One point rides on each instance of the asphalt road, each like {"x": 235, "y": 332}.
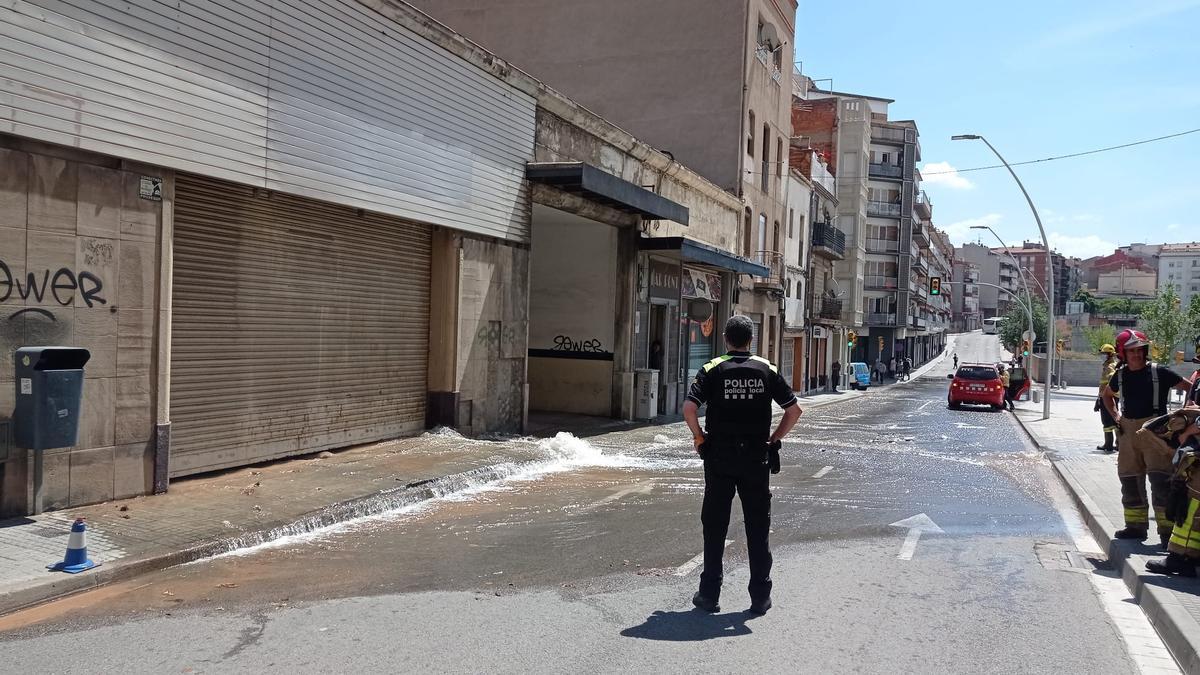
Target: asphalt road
{"x": 590, "y": 568}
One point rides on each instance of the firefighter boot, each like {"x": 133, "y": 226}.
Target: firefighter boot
{"x": 760, "y": 606}
{"x": 707, "y": 604}
{"x": 1174, "y": 563}
{"x": 1130, "y": 532}
{"x": 1108, "y": 442}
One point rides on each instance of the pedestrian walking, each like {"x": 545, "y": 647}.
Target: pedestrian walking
{"x": 1006, "y": 382}
{"x": 956, "y": 361}
{"x": 1143, "y": 388}
{"x": 1107, "y": 370}
{"x": 835, "y": 372}
{"x": 740, "y": 453}
{"x": 908, "y": 364}
{"x": 880, "y": 369}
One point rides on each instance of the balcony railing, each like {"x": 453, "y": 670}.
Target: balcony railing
{"x": 830, "y": 309}
{"x": 887, "y": 134}
{"x": 821, "y": 176}
{"x": 880, "y": 281}
{"x": 882, "y": 245}
{"x": 828, "y": 241}
{"x": 773, "y": 260}
{"x": 885, "y": 170}
{"x": 918, "y": 263}
{"x": 919, "y": 323}
{"x": 881, "y": 319}
{"x": 885, "y": 209}
{"x": 919, "y": 234}
{"x": 922, "y": 205}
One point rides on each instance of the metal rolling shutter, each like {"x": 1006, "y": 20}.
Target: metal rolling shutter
{"x": 297, "y": 326}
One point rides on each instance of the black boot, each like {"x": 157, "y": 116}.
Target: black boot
{"x": 760, "y": 606}
{"x": 1108, "y": 442}
{"x": 1174, "y": 563}
{"x": 1138, "y": 533}
{"x": 709, "y": 605}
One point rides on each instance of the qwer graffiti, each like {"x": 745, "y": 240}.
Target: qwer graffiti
{"x": 62, "y": 286}
{"x": 563, "y": 343}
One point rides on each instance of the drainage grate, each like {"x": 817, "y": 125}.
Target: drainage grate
{"x": 49, "y": 532}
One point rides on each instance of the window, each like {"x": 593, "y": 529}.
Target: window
{"x": 750, "y": 136}
{"x": 762, "y": 231}
{"x": 766, "y": 158}
{"x": 748, "y": 235}
{"x": 775, "y": 239}
{"x": 791, "y": 223}
{"x": 780, "y": 159}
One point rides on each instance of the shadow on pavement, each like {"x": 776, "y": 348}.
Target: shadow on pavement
{"x": 690, "y": 625}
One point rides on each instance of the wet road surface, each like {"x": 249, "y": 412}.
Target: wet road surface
{"x": 589, "y": 565}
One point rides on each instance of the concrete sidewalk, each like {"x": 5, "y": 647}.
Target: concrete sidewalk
{"x": 1070, "y": 438}
{"x": 207, "y": 515}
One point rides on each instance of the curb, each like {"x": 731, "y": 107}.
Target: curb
{"x": 332, "y": 514}
{"x": 1178, "y": 629}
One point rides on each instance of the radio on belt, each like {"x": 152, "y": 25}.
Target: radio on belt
{"x": 49, "y": 384}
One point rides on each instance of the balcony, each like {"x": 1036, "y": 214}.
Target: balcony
{"x": 881, "y": 319}
{"x": 919, "y": 264}
{"x": 828, "y": 241}
{"x": 880, "y": 282}
{"x": 920, "y": 234}
{"x": 884, "y": 209}
{"x": 922, "y": 205}
{"x": 885, "y": 171}
{"x": 919, "y": 323}
{"x": 830, "y": 309}
{"x": 883, "y": 246}
{"x": 822, "y": 177}
{"x": 888, "y": 134}
{"x": 773, "y": 260}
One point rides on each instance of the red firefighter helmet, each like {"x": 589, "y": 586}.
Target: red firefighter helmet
{"x": 1130, "y": 339}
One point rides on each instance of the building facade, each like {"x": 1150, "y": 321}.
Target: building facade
{"x": 1033, "y": 260}
{"x": 1179, "y": 265}
{"x": 717, "y": 97}
{"x": 363, "y": 274}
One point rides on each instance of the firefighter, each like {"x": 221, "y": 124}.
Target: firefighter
{"x": 1144, "y": 389}
{"x": 1107, "y": 369}
{"x": 740, "y": 452}
{"x": 1174, "y": 440}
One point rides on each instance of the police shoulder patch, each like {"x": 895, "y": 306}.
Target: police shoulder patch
{"x": 762, "y": 360}
{"x": 716, "y": 362}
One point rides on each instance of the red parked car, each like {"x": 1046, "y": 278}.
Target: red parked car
{"x": 976, "y": 383}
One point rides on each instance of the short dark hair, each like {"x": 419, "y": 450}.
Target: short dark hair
{"x": 739, "y": 331}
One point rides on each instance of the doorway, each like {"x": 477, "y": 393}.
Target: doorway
{"x": 659, "y": 343}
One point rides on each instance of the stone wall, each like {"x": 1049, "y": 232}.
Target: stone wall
{"x": 80, "y": 263}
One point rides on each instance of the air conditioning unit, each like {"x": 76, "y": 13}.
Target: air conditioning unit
{"x": 819, "y": 332}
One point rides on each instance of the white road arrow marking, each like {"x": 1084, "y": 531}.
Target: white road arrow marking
{"x": 640, "y": 488}
{"x": 822, "y": 472}
{"x": 915, "y": 525}
{"x": 687, "y": 567}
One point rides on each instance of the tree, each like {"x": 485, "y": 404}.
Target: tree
{"x": 1098, "y": 336}
{"x": 1016, "y": 323}
{"x": 1089, "y": 301}
{"x": 1122, "y": 306}
{"x": 1165, "y": 323}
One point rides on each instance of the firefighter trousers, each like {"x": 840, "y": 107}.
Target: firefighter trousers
{"x": 1136, "y": 465}
{"x": 729, "y": 470}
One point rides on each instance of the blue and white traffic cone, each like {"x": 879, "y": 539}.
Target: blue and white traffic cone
{"x": 77, "y": 559}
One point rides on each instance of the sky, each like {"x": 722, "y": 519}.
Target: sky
{"x": 1038, "y": 79}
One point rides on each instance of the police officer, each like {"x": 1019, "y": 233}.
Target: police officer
{"x": 739, "y": 452}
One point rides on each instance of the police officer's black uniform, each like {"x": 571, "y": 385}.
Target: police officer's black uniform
{"x": 738, "y": 389}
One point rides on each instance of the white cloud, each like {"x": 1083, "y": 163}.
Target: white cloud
{"x": 941, "y": 173}
{"x": 961, "y": 232}
{"x": 1080, "y": 247}
{"x": 1173, "y": 226}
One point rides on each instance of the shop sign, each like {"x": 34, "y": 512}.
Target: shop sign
{"x": 700, "y": 284}
{"x": 664, "y": 280}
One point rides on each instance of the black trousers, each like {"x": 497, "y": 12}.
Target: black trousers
{"x": 729, "y": 468}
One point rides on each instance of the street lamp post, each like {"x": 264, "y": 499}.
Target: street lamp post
{"x": 1050, "y": 339}
{"x": 1020, "y": 272}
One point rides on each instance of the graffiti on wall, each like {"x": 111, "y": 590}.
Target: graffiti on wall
{"x": 61, "y": 286}
{"x": 564, "y": 343}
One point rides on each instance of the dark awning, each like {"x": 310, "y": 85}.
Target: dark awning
{"x": 602, "y": 187}
{"x": 703, "y": 253}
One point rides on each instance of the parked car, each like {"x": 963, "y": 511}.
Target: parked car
{"x": 860, "y": 376}
{"x": 977, "y": 384}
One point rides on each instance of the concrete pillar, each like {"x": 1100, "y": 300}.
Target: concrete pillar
{"x": 444, "y": 283}
{"x": 624, "y": 308}
{"x": 166, "y": 267}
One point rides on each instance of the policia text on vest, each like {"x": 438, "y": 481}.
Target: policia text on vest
{"x": 740, "y": 451}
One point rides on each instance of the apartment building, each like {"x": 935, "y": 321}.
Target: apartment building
{"x": 1032, "y": 258}
{"x": 998, "y": 271}
{"x": 1179, "y": 264}
{"x": 707, "y": 81}
{"x": 967, "y": 315}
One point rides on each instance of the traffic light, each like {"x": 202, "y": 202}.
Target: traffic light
{"x": 935, "y": 285}
{"x": 1058, "y": 346}
{"x": 1025, "y": 348}
{"x": 881, "y": 344}
{"x": 851, "y": 338}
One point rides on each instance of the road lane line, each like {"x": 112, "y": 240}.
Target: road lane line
{"x": 641, "y": 488}
{"x": 687, "y": 567}
{"x": 822, "y": 472}
{"x": 924, "y": 405}
{"x": 910, "y": 545}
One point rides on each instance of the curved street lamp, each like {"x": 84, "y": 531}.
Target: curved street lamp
{"x": 1050, "y": 339}
{"x": 1020, "y": 272}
